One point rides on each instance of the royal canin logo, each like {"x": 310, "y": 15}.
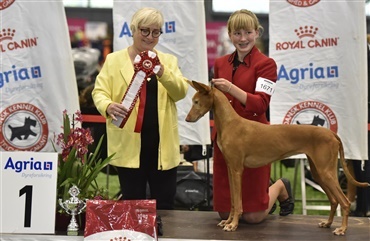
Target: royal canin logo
{"x": 7, "y": 42}
{"x": 303, "y": 3}
{"x": 5, "y": 4}
{"x": 307, "y": 39}
{"x": 7, "y": 34}
{"x": 306, "y": 31}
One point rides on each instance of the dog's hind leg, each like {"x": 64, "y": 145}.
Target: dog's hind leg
{"x": 331, "y": 198}
{"x": 335, "y": 195}
{"x": 345, "y": 205}
{"x": 333, "y": 205}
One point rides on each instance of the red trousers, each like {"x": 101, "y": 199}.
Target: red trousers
{"x": 255, "y": 184}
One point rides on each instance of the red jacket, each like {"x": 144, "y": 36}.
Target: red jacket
{"x": 255, "y": 65}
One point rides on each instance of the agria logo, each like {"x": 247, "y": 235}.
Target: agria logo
{"x": 169, "y": 27}
{"x": 28, "y": 165}
{"x": 307, "y": 40}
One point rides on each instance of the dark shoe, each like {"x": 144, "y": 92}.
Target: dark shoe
{"x": 287, "y": 206}
{"x": 273, "y": 208}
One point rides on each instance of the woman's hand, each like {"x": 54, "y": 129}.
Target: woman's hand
{"x": 115, "y": 110}
{"x": 160, "y": 72}
{"x": 222, "y": 84}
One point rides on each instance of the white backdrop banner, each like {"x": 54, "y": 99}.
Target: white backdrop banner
{"x": 37, "y": 78}
{"x": 320, "y": 49}
{"x": 184, "y": 35}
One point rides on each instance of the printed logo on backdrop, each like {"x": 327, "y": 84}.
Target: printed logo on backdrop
{"x": 24, "y": 127}
{"x": 5, "y": 4}
{"x": 27, "y": 76}
{"x": 15, "y": 74}
{"x": 303, "y": 3}
{"x": 306, "y": 39}
{"x": 169, "y": 27}
{"x": 312, "y": 113}
{"x": 7, "y": 42}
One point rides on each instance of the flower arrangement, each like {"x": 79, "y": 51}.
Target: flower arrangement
{"x": 76, "y": 164}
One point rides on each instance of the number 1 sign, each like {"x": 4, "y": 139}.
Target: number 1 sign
{"x": 28, "y": 192}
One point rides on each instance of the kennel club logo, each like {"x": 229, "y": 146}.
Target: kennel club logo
{"x": 303, "y": 3}
{"x": 5, "y": 4}
{"x": 306, "y": 40}
{"x": 24, "y": 127}
{"x": 312, "y": 113}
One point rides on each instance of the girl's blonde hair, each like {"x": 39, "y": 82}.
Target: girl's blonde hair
{"x": 146, "y": 16}
{"x": 243, "y": 19}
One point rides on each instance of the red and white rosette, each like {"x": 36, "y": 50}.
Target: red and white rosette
{"x": 145, "y": 64}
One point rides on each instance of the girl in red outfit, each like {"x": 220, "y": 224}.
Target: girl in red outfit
{"x": 242, "y": 76}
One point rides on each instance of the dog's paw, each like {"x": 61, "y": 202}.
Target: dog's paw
{"x": 230, "y": 227}
{"x": 222, "y": 223}
{"x": 340, "y": 231}
{"x": 324, "y": 225}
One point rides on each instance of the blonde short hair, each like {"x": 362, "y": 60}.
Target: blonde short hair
{"x": 146, "y": 16}
{"x": 243, "y": 19}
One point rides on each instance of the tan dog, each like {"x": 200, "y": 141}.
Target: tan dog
{"x": 252, "y": 144}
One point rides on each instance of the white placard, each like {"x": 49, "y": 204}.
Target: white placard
{"x": 28, "y": 192}
{"x": 265, "y": 86}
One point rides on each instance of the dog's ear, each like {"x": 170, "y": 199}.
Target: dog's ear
{"x": 202, "y": 88}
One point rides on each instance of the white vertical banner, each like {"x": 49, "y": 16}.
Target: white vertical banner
{"x": 184, "y": 35}
{"x": 37, "y": 77}
{"x": 320, "y": 49}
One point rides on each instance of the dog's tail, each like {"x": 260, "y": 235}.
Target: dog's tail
{"x": 347, "y": 172}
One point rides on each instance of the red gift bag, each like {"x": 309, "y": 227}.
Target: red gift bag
{"x": 121, "y": 220}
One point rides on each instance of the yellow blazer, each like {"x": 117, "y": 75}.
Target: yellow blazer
{"x": 110, "y": 86}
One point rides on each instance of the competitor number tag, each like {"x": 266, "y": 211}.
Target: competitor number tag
{"x": 265, "y": 86}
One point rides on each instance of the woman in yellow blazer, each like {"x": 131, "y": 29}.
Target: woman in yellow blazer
{"x": 151, "y": 156}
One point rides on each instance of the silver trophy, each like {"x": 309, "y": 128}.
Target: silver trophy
{"x": 73, "y": 206}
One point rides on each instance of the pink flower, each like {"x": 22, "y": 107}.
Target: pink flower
{"x": 74, "y": 137}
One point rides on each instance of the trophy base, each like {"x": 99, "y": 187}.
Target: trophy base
{"x": 72, "y": 232}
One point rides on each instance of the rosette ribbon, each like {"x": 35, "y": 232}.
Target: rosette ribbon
{"x": 145, "y": 64}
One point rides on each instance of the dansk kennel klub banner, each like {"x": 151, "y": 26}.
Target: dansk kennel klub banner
{"x": 320, "y": 49}
{"x": 184, "y": 35}
{"x": 37, "y": 82}
{"x": 37, "y": 78}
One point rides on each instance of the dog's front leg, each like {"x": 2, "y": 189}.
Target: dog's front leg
{"x": 231, "y": 214}
{"x": 235, "y": 181}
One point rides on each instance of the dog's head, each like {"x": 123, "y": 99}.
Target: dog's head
{"x": 202, "y": 101}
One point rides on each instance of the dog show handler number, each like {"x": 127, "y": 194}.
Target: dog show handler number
{"x": 28, "y": 192}
{"x": 265, "y": 85}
